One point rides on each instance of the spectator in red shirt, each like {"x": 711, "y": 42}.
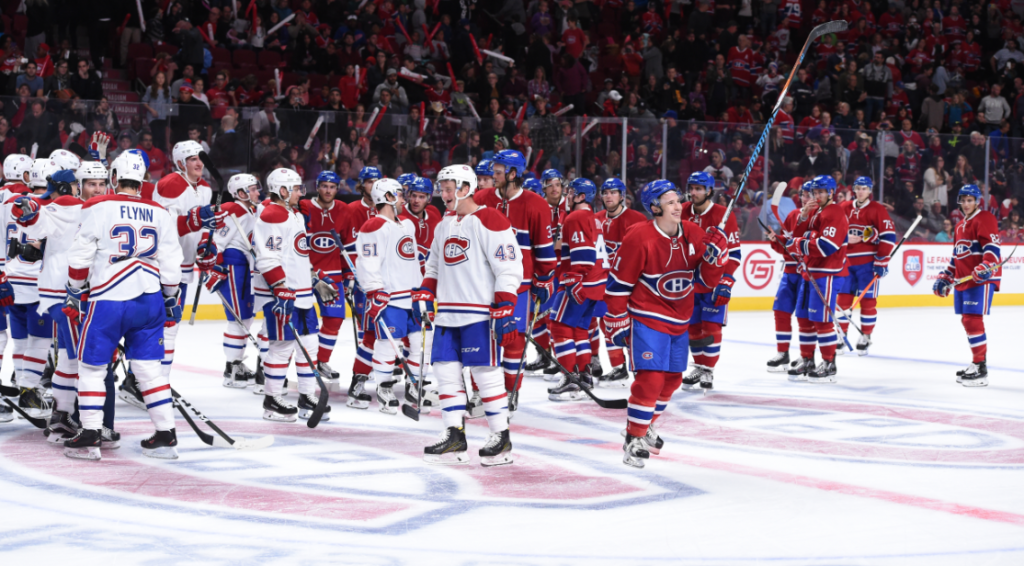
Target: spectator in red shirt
{"x": 573, "y": 39}
{"x": 157, "y": 158}
{"x": 220, "y": 97}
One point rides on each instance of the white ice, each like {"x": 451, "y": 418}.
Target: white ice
{"x": 894, "y": 464}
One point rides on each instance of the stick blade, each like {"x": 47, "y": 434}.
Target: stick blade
{"x": 780, "y": 191}
{"x": 410, "y": 412}
{"x": 208, "y": 164}
{"x": 835, "y": 26}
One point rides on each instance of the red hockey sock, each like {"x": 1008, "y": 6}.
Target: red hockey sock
{"x": 808, "y": 337}
{"x": 844, "y": 301}
{"x": 672, "y": 382}
{"x": 511, "y": 355}
{"x": 643, "y": 398}
{"x": 565, "y": 344}
{"x": 827, "y": 340}
{"x": 329, "y": 327}
{"x": 711, "y": 351}
{"x": 974, "y": 324}
{"x": 868, "y": 315}
{"x": 594, "y": 332}
{"x": 696, "y": 335}
{"x": 583, "y": 348}
{"x": 783, "y": 330}
{"x": 616, "y": 355}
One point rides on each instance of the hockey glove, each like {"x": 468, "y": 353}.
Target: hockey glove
{"x": 376, "y": 302}
{"x": 98, "y": 147}
{"x": 716, "y": 246}
{"x": 6, "y": 291}
{"x": 172, "y": 307}
{"x": 206, "y": 253}
{"x": 983, "y": 272}
{"x": 617, "y": 329}
{"x": 27, "y": 210}
{"x": 325, "y": 287}
{"x": 881, "y": 268}
{"x": 205, "y": 218}
{"x": 573, "y": 283}
{"x": 944, "y": 284}
{"x": 216, "y": 277}
{"x": 543, "y": 287}
{"x": 73, "y": 302}
{"x": 423, "y": 304}
{"x": 503, "y": 321}
{"x": 797, "y": 247}
{"x": 284, "y": 303}
{"x": 723, "y": 291}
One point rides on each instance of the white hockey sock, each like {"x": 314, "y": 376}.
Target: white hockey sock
{"x": 65, "y": 383}
{"x": 92, "y": 393}
{"x": 452, "y": 389}
{"x": 415, "y": 347}
{"x": 34, "y": 361}
{"x": 491, "y": 383}
{"x": 263, "y": 340}
{"x": 307, "y": 381}
{"x": 234, "y": 340}
{"x": 20, "y": 345}
{"x": 3, "y": 344}
{"x": 170, "y": 334}
{"x": 156, "y": 392}
{"x": 275, "y": 366}
{"x": 383, "y": 361}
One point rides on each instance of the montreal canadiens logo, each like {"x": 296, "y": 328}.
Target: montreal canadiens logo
{"x": 962, "y": 249}
{"x": 455, "y": 250}
{"x": 322, "y": 243}
{"x": 407, "y": 248}
{"x": 302, "y": 244}
{"x": 675, "y": 285}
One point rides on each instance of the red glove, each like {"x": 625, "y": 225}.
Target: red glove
{"x": 376, "y": 302}
{"x": 716, "y": 246}
{"x": 573, "y": 283}
{"x": 797, "y": 247}
{"x": 723, "y": 291}
{"x": 983, "y": 272}
{"x": 216, "y": 276}
{"x": 206, "y": 253}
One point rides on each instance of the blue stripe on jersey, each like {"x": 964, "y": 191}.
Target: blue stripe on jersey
{"x": 545, "y": 252}
{"x": 888, "y": 237}
{"x": 523, "y": 238}
{"x": 583, "y": 256}
{"x": 826, "y": 247}
{"x": 617, "y": 287}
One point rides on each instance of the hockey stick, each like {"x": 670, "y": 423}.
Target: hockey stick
{"x": 321, "y": 401}
{"x": 406, "y": 409}
{"x": 221, "y": 441}
{"x": 967, "y": 278}
{"x": 522, "y": 359}
{"x": 849, "y": 312}
{"x": 400, "y": 358}
{"x": 348, "y": 301}
{"x": 239, "y": 320}
{"x": 818, "y": 31}
{"x": 36, "y": 422}
{"x": 603, "y": 403}
{"x": 9, "y": 391}
{"x": 208, "y": 163}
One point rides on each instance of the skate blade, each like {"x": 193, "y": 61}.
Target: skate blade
{"x": 447, "y": 459}
{"x": 798, "y": 378}
{"x": 305, "y": 414}
{"x": 981, "y": 382}
{"x": 499, "y": 460}
{"x": 633, "y": 462}
{"x": 862, "y": 352}
{"x": 617, "y": 384}
{"x": 163, "y": 453}
{"x": 278, "y": 418}
{"x": 257, "y": 389}
{"x": 687, "y": 386}
{"x": 778, "y": 369}
{"x": 389, "y": 409}
{"x": 567, "y": 397}
{"x": 110, "y": 444}
{"x": 87, "y": 453}
{"x": 552, "y": 376}
{"x": 235, "y": 384}
{"x": 826, "y": 379}
{"x": 131, "y": 400}
{"x": 358, "y": 404}
{"x": 57, "y": 439}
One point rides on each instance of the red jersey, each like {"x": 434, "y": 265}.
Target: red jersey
{"x": 583, "y": 252}
{"x": 891, "y": 23}
{"x": 219, "y": 102}
{"x": 786, "y": 124}
{"x": 712, "y": 216}
{"x": 977, "y": 240}
{"x": 425, "y": 226}
{"x": 158, "y": 164}
{"x": 826, "y": 247}
{"x": 739, "y": 62}
{"x": 872, "y": 223}
{"x": 614, "y": 228}
{"x": 323, "y": 250}
{"x": 791, "y": 225}
{"x": 654, "y": 282}
{"x": 532, "y": 226}
{"x": 955, "y": 28}
{"x": 573, "y": 40}
{"x": 359, "y": 212}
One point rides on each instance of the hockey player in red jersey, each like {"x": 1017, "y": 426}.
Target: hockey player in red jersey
{"x": 615, "y": 220}
{"x": 583, "y": 275}
{"x": 325, "y": 217}
{"x": 423, "y": 216}
{"x": 977, "y": 258}
{"x": 871, "y": 241}
{"x": 785, "y": 297}
{"x": 710, "y": 303}
{"x": 484, "y": 174}
{"x": 359, "y": 212}
{"x": 821, "y": 251}
{"x": 650, "y": 302}
{"x": 532, "y": 226}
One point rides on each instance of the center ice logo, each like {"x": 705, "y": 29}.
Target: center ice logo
{"x": 675, "y": 285}
{"x": 913, "y": 266}
{"x": 455, "y": 250}
{"x": 407, "y": 248}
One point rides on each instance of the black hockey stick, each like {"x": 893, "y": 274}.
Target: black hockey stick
{"x": 9, "y": 391}
{"x": 321, "y": 401}
{"x": 603, "y": 403}
{"x": 400, "y": 358}
{"x": 522, "y": 359}
{"x": 215, "y": 173}
{"x": 36, "y": 422}
{"x": 351, "y": 306}
{"x": 223, "y": 441}
{"x": 408, "y": 411}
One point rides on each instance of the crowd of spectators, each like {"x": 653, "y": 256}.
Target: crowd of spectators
{"x": 921, "y": 96}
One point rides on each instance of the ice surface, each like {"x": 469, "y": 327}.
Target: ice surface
{"x": 894, "y": 464}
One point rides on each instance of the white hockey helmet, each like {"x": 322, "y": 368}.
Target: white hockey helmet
{"x": 128, "y": 166}
{"x": 241, "y": 182}
{"x": 182, "y": 151}
{"x": 91, "y": 170}
{"x": 66, "y": 160}
{"x": 460, "y": 174}
{"x": 41, "y": 169}
{"x": 15, "y": 167}
{"x": 382, "y": 188}
{"x": 283, "y": 178}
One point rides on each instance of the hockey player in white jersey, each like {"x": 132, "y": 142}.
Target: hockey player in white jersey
{"x": 387, "y": 271}
{"x": 16, "y": 170}
{"x": 31, "y": 329}
{"x": 231, "y": 277}
{"x": 282, "y": 257}
{"x": 474, "y": 269}
{"x": 66, "y": 160}
{"x": 123, "y": 275}
{"x": 56, "y": 223}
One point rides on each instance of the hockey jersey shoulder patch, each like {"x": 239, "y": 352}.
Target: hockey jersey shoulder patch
{"x": 171, "y": 186}
{"x": 492, "y": 220}
{"x": 373, "y": 224}
{"x": 68, "y": 200}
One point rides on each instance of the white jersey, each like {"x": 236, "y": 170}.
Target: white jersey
{"x": 57, "y": 222}
{"x": 471, "y": 260}
{"x": 6, "y": 192}
{"x": 388, "y": 259}
{"x": 282, "y": 253}
{"x": 126, "y": 247}
{"x": 22, "y": 275}
{"x": 178, "y": 196}
{"x": 229, "y": 238}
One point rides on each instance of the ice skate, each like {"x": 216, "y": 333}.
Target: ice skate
{"x": 497, "y": 451}
{"x": 332, "y": 379}
{"x": 976, "y": 375}
{"x": 863, "y": 344}
{"x": 275, "y": 408}
{"x": 258, "y": 379}
{"x": 451, "y": 449}
{"x": 35, "y": 403}
{"x": 824, "y": 373}
{"x": 595, "y": 367}
{"x": 566, "y": 390}
{"x": 695, "y": 376}
{"x": 357, "y": 397}
{"x": 707, "y": 380}
{"x": 110, "y": 438}
{"x": 386, "y": 398}
{"x": 308, "y": 402}
{"x": 616, "y": 379}
{"x": 799, "y": 369}
{"x": 651, "y": 439}
{"x": 161, "y": 445}
{"x": 475, "y": 406}
{"x": 236, "y": 376}
{"x": 412, "y": 396}
{"x": 7, "y": 413}
{"x": 84, "y": 446}
{"x": 536, "y": 368}
{"x": 635, "y": 451}
{"x": 62, "y": 427}
{"x": 129, "y": 392}
{"x": 779, "y": 363}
